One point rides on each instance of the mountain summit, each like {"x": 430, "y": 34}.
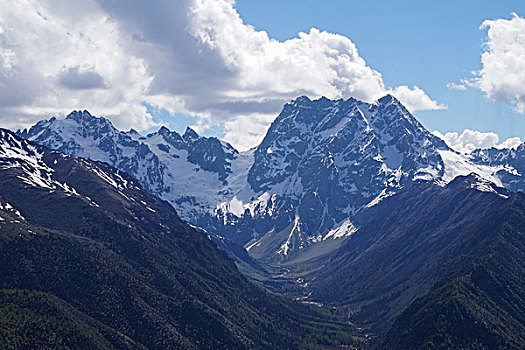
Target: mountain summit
{"x": 322, "y": 164}
{"x": 186, "y": 170}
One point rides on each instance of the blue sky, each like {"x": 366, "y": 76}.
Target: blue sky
{"x": 424, "y": 43}
{"x": 226, "y": 67}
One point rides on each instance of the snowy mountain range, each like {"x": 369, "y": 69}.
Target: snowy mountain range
{"x": 189, "y": 171}
{"x": 320, "y": 167}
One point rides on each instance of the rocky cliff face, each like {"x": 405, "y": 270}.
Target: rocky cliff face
{"x": 324, "y": 161}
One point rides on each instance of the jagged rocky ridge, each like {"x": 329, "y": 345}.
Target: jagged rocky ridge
{"x": 165, "y": 163}
{"x": 321, "y": 165}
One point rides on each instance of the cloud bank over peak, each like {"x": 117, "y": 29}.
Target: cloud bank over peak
{"x": 416, "y": 99}
{"x": 53, "y": 61}
{"x": 76, "y": 78}
{"x": 470, "y": 140}
{"x": 194, "y": 57}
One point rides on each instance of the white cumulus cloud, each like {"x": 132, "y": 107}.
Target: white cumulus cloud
{"x": 455, "y": 86}
{"x": 194, "y": 57}
{"x": 470, "y": 140}
{"x": 502, "y": 76}
{"x": 52, "y": 61}
{"x": 416, "y": 99}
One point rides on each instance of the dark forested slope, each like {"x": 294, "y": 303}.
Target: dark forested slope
{"x": 438, "y": 264}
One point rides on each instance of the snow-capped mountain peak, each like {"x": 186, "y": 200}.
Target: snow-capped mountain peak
{"x": 190, "y": 134}
{"x": 320, "y": 166}
{"x": 189, "y": 171}
{"x": 80, "y": 116}
{"x": 324, "y": 161}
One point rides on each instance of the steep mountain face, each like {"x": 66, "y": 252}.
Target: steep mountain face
{"x": 303, "y": 190}
{"x": 323, "y": 164}
{"x": 118, "y": 265}
{"x": 188, "y": 171}
{"x": 509, "y": 162}
{"x": 82, "y": 135}
{"x": 323, "y": 161}
{"x": 417, "y": 242}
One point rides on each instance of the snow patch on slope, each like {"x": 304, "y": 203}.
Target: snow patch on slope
{"x": 285, "y": 247}
{"x": 346, "y": 229}
{"x": 8, "y": 207}
{"x": 191, "y": 189}
{"x": 34, "y": 172}
{"x": 459, "y": 165}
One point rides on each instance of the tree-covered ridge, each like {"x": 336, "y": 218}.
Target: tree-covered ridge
{"x": 36, "y": 320}
{"x": 481, "y": 306}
